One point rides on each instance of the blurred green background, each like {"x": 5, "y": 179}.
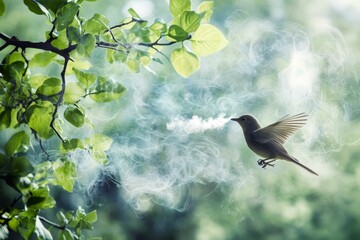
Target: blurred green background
{"x": 283, "y": 57}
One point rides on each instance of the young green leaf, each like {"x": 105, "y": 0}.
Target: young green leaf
{"x": 62, "y": 41}
{"x": 50, "y": 87}
{"x": 66, "y": 15}
{"x": 91, "y": 217}
{"x": 20, "y": 166}
{"x": 73, "y": 92}
{"x": 40, "y": 198}
{"x": 177, "y": 7}
{"x": 97, "y": 145}
{"x": 40, "y": 116}
{"x": 70, "y": 145}
{"x": 107, "y": 90}
{"x": 96, "y": 25}
{"x": 86, "y": 45}
{"x": 36, "y": 81}
{"x": 18, "y": 143}
{"x": 74, "y": 115}
{"x": 178, "y": 33}
{"x": 190, "y": 21}
{"x": 133, "y": 13}
{"x": 42, "y": 59}
{"x": 207, "y": 40}
{"x": 207, "y": 8}
{"x": 87, "y": 79}
{"x": 65, "y": 174}
{"x": 184, "y": 62}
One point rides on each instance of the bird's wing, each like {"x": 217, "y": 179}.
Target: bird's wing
{"x": 281, "y": 130}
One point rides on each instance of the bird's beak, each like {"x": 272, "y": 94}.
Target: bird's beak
{"x": 234, "y": 119}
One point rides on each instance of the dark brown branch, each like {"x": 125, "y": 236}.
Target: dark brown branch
{"x": 126, "y": 23}
{"x": 60, "y": 99}
{"x": 46, "y": 46}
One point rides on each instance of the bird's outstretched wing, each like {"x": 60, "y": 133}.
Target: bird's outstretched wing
{"x": 281, "y": 130}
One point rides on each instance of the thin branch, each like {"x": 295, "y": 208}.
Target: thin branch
{"x": 126, "y": 23}
{"x": 60, "y": 99}
{"x": 52, "y": 223}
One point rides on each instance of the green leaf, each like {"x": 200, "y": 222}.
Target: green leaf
{"x": 42, "y": 59}
{"x": 40, "y": 231}
{"x": 18, "y": 143}
{"x": 207, "y": 40}
{"x": 73, "y": 34}
{"x": 40, "y": 116}
{"x": 107, "y": 90}
{"x": 133, "y": 13}
{"x": 74, "y": 115}
{"x": 159, "y": 26}
{"x": 5, "y": 118}
{"x": 70, "y": 145}
{"x": 73, "y": 92}
{"x": 66, "y": 15}
{"x": 97, "y": 145}
{"x": 184, "y": 62}
{"x": 133, "y": 65}
{"x": 87, "y": 79}
{"x": 38, "y": 8}
{"x": 177, "y": 33}
{"x": 40, "y": 198}
{"x": 207, "y": 8}
{"x": 2, "y": 7}
{"x": 96, "y": 25}
{"x": 50, "y": 87}
{"x": 86, "y": 45}
{"x": 36, "y": 81}
{"x": 91, "y": 217}
{"x": 99, "y": 142}
{"x": 62, "y": 41}
{"x": 190, "y": 21}
{"x": 66, "y": 234}
{"x": 65, "y": 174}
{"x": 20, "y": 166}
{"x": 26, "y": 224}
{"x": 177, "y": 7}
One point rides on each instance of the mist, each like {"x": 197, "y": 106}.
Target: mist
{"x": 170, "y": 133}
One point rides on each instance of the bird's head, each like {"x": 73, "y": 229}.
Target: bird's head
{"x": 247, "y": 122}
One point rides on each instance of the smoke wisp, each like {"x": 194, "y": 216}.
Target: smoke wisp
{"x": 196, "y": 124}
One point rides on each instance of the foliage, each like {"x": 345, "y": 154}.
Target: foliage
{"x": 30, "y": 102}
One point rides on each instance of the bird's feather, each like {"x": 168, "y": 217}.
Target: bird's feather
{"x": 279, "y": 131}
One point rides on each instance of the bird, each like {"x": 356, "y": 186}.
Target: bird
{"x": 268, "y": 142}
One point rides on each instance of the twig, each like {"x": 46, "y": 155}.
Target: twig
{"x": 52, "y": 223}
{"x": 60, "y": 99}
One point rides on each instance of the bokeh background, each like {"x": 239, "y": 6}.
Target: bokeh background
{"x": 284, "y": 57}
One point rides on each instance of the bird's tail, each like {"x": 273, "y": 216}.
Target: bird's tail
{"x": 294, "y": 160}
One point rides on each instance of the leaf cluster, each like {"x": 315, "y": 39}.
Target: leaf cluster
{"x": 31, "y": 98}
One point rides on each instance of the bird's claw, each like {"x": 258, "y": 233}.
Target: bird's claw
{"x": 265, "y": 164}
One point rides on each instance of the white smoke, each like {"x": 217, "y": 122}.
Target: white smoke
{"x": 196, "y": 124}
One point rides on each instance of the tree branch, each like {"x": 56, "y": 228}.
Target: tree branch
{"x": 52, "y": 223}
{"x": 46, "y": 46}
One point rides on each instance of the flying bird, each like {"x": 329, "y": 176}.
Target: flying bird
{"x": 268, "y": 142}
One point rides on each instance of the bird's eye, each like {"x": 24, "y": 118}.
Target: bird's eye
{"x": 243, "y": 119}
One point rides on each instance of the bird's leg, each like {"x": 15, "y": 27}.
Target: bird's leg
{"x": 265, "y": 163}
